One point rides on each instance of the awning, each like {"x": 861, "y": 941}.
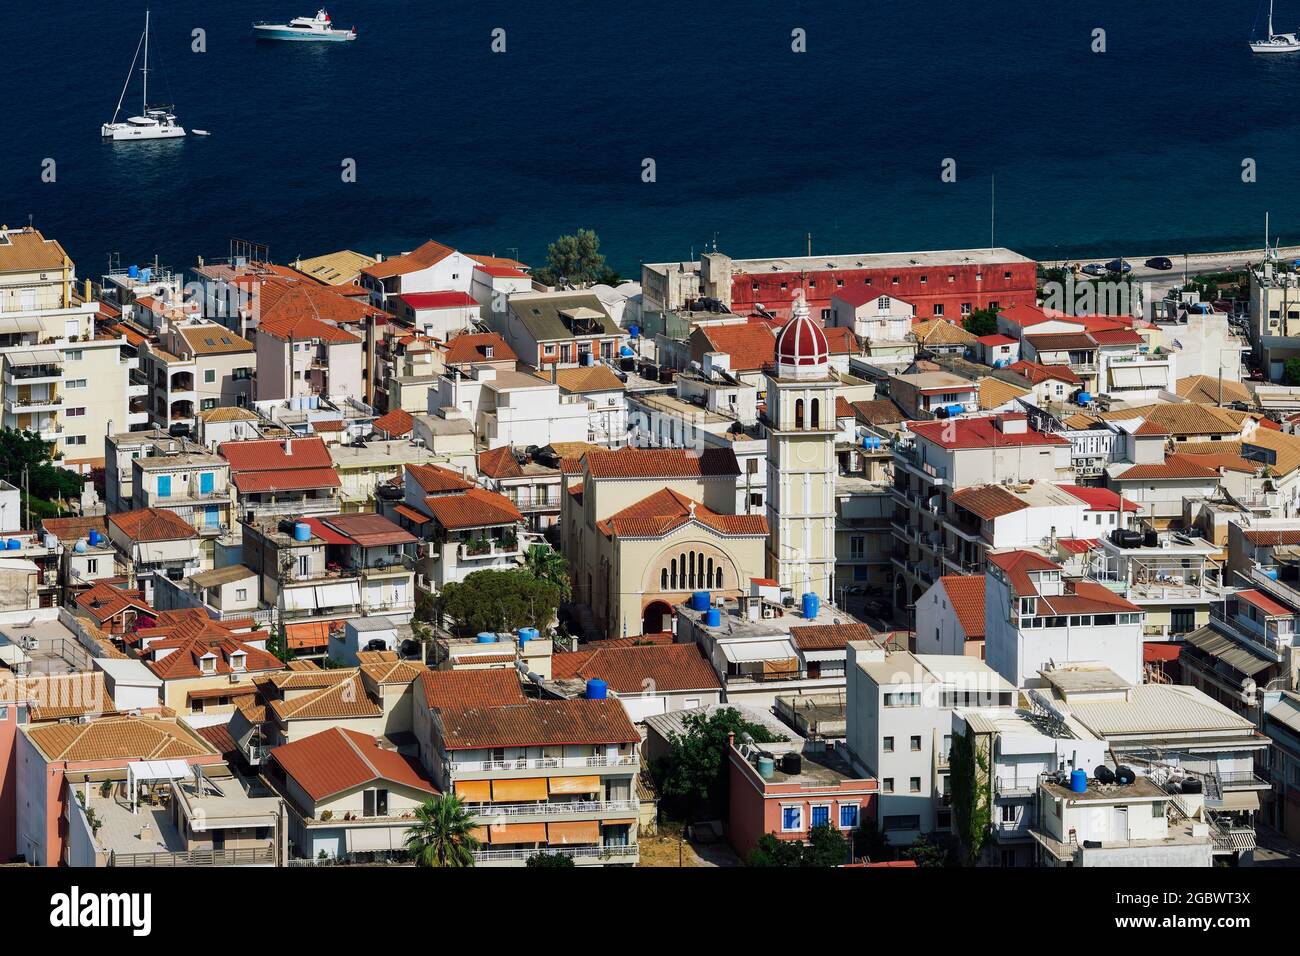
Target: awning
{"x": 617, "y": 823}
{"x": 474, "y": 791}
{"x": 338, "y": 595}
{"x": 745, "y": 651}
{"x": 299, "y": 599}
{"x": 215, "y": 693}
{"x": 10, "y": 326}
{"x": 1234, "y": 654}
{"x": 517, "y": 833}
{"x": 411, "y": 515}
{"x": 1239, "y": 800}
{"x": 575, "y": 784}
{"x": 1155, "y": 376}
{"x": 38, "y": 357}
{"x": 523, "y": 789}
{"x": 577, "y": 831}
{"x": 1125, "y": 377}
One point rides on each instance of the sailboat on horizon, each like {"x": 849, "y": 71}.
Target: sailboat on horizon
{"x": 154, "y": 122}
{"x": 1275, "y": 42}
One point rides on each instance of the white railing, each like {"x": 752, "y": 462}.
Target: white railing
{"x": 486, "y": 811}
{"x": 544, "y": 763}
{"x": 585, "y": 852}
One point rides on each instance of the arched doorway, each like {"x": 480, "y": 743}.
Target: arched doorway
{"x": 656, "y": 618}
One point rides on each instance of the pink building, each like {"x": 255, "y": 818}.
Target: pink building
{"x": 805, "y": 789}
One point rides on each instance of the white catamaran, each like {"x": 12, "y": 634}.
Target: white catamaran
{"x": 1275, "y": 42}
{"x": 156, "y": 122}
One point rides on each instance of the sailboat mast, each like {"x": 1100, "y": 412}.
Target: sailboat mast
{"x": 145, "y": 95}
{"x": 1270, "y": 19}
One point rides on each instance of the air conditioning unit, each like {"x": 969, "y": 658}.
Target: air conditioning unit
{"x": 769, "y": 612}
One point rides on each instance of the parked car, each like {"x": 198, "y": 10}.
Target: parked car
{"x": 1093, "y": 269}
{"x": 1120, "y": 266}
{"x": 1256, "y": 375}
{"x": 1159, "y": 262}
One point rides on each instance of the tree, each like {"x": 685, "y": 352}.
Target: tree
{"x": 574, "y": 259}
{"x": 693, "y": 775}
{"x": 503, "y": 601}
{"x": 546, "y": 564}
{"x": 443, "y": 834}
{"x": 981, "y": 322}
{"x": 1291, "y": 372}
{"x": 869, "y": 842}
{"x": 826, "y": 847}
{"x": 972, "y": 812}
{"x": 771, "y": 851}
{"x": 277, "y": 643}
{"x": 543, "y": 859}
{"x": 47, "y": 484}
{"x": 926, "y": 852}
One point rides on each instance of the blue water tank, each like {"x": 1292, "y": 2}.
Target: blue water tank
{"x": 700, "y": 601}
{"x": 1271, "y": 573}
{"x": 810, "y": 604}
{"x": 94, "y": 538}
{"x": 713, "y": 617}
{"x": 133, "y": 271}
{"x": 301, "y": 531}
{"x": 626, "y": 352}
{"x": 146, "y": 275}
{"x": 634, "y": 331}
{"x": 955, "y": 409}
{"x": 766, "y": 768}
{"x": 1078, "y": 781}
{"x": 1085, "y": 398}
{"x": 79, "y": 547}
{"x": 13, "y": 544}
{"x": 527, "y": 634}
{"x": 313, "y": 401}
{"x": 486, "y": 637}
{"x": 597, "y": 689}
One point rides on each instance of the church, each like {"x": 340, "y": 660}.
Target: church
{"x": 648, "y": 526}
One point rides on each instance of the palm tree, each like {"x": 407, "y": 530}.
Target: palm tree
{"x": 443, "y": 834}
{"x": 547, "y": 564}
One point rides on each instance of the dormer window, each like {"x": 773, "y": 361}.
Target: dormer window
{"x": 487, "y": 351}
{"x": 238, "y": 661}
{"x": 208, "y": 664}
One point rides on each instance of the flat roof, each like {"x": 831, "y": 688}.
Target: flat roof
{"x": 869, "y": 260}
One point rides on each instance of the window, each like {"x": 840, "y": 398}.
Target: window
{"x": 92, "y": 566}
{"x": 208, "y": 403}
{"x": 916, "y": 742}
{"x": 887, "y": 785}
{"x": 76, "y": 412}
{"x": 849, "y": 813}
{"x": 1009, "y": 813}
{"x": 488, "y": 350}
{"x": 241, "y": 594}
{"x": 374, "y": 803}
{"x": 304, "y": 565}
{"x": 887, "y": 745}
{"x": 209, "y": 375}
{"x": 938, "y": 308}
{"x": 914, "y": 784}
{"x": 912, "y": 822}
{"x": 792, "y": 819}
{"x": 75, "y": 440}
{"x": 821, "y": 815}
{"x": 857, "y": 547}
{"x": 1182, "y": 620}
{"x": 74, "y": 355}
{"x": 75, "y": 383}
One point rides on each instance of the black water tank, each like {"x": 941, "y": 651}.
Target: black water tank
{"x": 1150, "y": 539}
{"x": 1124, "y": 775}
{"x": 791, "y": 763}
{"x": 1104, "y": 774}
{"x": 1191, "y": 785}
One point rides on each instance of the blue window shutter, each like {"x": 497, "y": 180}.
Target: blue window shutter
{"x": 164, "y": 486}
{"x": 205, "y": 483}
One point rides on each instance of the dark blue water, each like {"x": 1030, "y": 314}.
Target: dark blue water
{"x": 1138, "y": 149}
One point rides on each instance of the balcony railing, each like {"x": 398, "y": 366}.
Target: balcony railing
{"x": 1267, "y": 638}
{"x": 486, "y": 811}
{"x": 1014, "y": 787}
{"x": 262, "y": 855}
{"x": 471, "y": 551}
{"x": 1243, "y": 780}
{"x": 545, "y": 763}
{"x": 621, "y": 853}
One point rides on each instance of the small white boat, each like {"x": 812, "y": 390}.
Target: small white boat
{"x": 318, "y": 28}
{"x": 154, "y": 122}
{"x": 200, "y": 132}
{"x": 1276, "y": 42}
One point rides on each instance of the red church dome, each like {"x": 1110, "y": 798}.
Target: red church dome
{"x": 801, "y": 348}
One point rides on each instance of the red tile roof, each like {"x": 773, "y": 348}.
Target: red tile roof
{"x": 475, "y": 508}
{"x": 1173, "y": 467}
{"x": 347, "y": 698}
{"x": 979, "y": 433}
{"x": 436, "y": 480}
{"x": 1117, "y": 337}
{"x": 303, "y": 309}
{"x": 829, "y": 637}
{"x": 641, "y": 668}
{"x": 1265, "y": 603}
{"x": 666, "y": 510}
{"x": 750, "y": 346}
{"x": 424, "y": 256}
{"x": 1036, "y": 372}
{"x": 183, "y": 663}
{"x": 257, "y": 466}
{"x": 989, "y": 501}
{"x": 966, "y": 595}
{"x": 629, "y": 462}
{"x": 537, "y": 723}
{"x": 438, "y": 300}
{"x": 1017, "y": 564}
{"x": 499, "y": 463}
{"x": 471, "y": 347}
{"x": 337, "y": 760}
{"x": 1099, "y": 499}
{"x": 367, "y": 530}
{"x": 471, "y": 688}
{"x": 395, "y": 424}
{"x": 297, "y": 479}
{"x": 153, "y": 524}
{"x": 103, "y": 601}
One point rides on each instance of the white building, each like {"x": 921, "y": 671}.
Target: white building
{"x": 512, "y": 408}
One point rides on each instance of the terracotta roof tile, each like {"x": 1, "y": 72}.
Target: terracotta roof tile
{"x": 395, "y": 424}
{"x": 631, "y": 670}
{"x": 120, "y": 739}
{"x": 666, "y": 510}
{"x": 469, "y": 348}
{"x": 435, "y": 480}
{"x": 471, "y": 688}
{"x": 829, "y": 637}
{"x": 337, "y": 760}
{"x": 153, "y": 524}
{"x": 428, "y": 254}
{"x": 347, "y": 698}
{"x": 475, "y": 508}
{"x": 629, "y": 462}
{"x": 966, "y": 595}
{"x": 989, "y": 501}
{"x": 499, "y": 463}
{"x": 536, "y": 723}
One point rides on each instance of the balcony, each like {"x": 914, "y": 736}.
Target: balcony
{"x": 573, "y": 808}
{"x": 1014, "y": 787}
{"x": 260, "y": 855}
{"x": 28, "y": 404}
{"x": 1243, "y": 780}
{"x": 1267, "y": 639}
{"x": 40, "y": 374}
{"x": 617, "y": 854}
{"x": 545, "y": 763}
{"x": 488, "y": 550}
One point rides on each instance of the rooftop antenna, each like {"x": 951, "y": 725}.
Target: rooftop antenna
{"x": 810, "y": 245}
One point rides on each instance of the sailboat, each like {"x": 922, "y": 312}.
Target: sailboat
{"x": 1276, "y": 42}
{"x": 156, "y": 122}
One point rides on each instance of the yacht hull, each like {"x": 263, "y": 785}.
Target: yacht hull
{"x": 269, "y": 32}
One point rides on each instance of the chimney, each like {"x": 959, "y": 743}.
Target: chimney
{"x": 288, "y": 448}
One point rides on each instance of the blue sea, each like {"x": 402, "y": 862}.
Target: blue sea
{"x": 1135, "y": 150}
